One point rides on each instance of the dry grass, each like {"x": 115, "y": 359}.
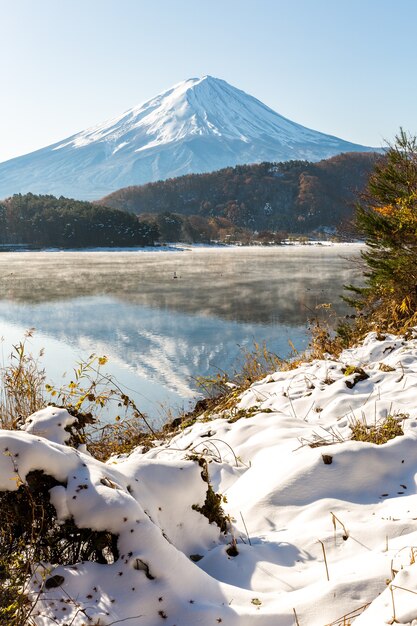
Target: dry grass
{"x": 22, "y": 386}
{"x": 120, "y": 438}
{"x": 258, "y": 363}
{"x": 380, "y": 432}
{"x": 324, "y": 341}
{"x": 223, "y": 391}
{"x": 23, "y": 391}
{"x": 348, "y": 618}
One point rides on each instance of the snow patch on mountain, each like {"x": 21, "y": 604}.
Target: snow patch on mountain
{"x": 199, "y": 125}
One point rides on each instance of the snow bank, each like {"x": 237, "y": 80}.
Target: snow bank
{"x": 298, "y": 489}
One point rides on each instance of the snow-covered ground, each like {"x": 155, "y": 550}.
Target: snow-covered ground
{"x": 291, "y": 505}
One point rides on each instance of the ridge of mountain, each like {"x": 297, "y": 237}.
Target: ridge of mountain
{"x": 199, "y": 125}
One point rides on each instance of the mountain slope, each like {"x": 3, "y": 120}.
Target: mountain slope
{"x": 200, "y": 125}
{"x": 296, "y": 196}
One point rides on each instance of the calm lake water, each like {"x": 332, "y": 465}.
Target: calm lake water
{"x": 165, "y": 317}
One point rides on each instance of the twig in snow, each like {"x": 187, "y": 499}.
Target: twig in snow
{"x": 247, "y": 534}
{"x": 403, "y": 373}
{"x": 216, "y": 448}
{"x": 325, "y": 559}
{"x": 345, "y": 531}
{"x": 292, "y": 406}
{"x": 126, "y": 619}
{"x": 394, "y": 619}
{"x": 306, "y": 415}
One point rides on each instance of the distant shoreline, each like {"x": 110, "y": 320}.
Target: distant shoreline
{"x": 176, "y": 247}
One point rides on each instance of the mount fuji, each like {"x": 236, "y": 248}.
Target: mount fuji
{"x": 199, "y": 125}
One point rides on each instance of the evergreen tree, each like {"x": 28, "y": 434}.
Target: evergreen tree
{"x": 50, "y": 221}
{"x": 387, "y": 217}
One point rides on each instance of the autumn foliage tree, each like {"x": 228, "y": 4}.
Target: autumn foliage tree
{"x": 387, "y": 217}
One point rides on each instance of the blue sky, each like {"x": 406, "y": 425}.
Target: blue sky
{"x": 344, "y": 67}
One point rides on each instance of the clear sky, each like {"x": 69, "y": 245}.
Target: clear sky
{"x": 344, "y": 67}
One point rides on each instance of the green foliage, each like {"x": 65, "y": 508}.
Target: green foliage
{"x": 62, "y": 222}
{"x": 387, "y": 217}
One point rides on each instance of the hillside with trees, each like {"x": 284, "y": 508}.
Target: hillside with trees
{"x": 265, "y": 201}
{"x": 49, "y": 221}
{"x": 39, "y": 221}
{"x": 292, "y": 197}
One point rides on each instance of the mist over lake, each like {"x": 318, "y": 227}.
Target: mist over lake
{"x": 163, "y": 318}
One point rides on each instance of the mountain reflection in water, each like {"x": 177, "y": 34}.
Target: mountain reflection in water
{"x": 164, "y": 318}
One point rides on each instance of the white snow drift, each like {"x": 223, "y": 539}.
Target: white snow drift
{"x": 289, "y": 507}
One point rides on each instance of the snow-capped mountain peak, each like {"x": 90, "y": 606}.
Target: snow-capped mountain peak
{"x": 199, "y": 125}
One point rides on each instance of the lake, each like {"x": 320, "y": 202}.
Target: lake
{"x": 165, "y": 317}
